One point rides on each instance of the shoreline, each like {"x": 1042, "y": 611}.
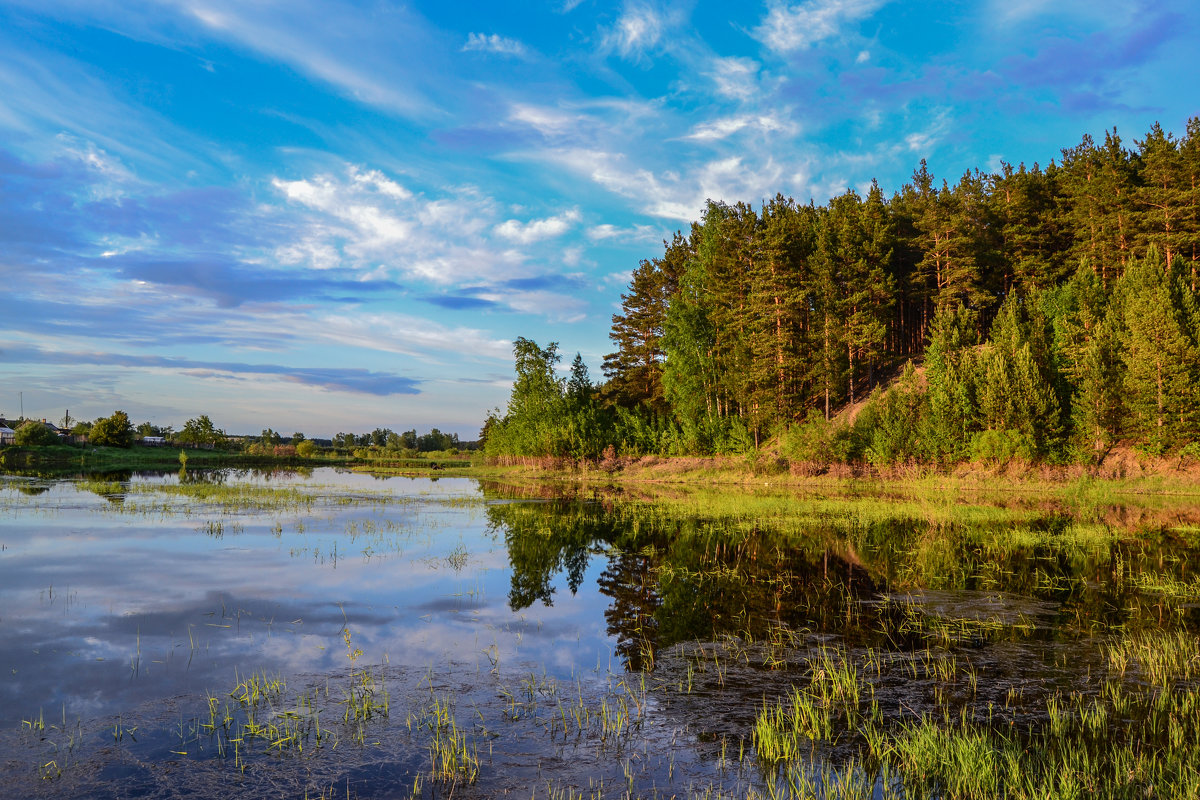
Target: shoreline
{"x": 1126, "y": 473}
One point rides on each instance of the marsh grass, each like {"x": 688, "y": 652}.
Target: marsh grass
{"x": 453, "y": 759}
{"x": 1162, "y": 658}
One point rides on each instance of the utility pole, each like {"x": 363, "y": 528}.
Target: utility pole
{"x": 22, "y": 396}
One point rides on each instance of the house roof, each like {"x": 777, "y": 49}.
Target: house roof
{"x": 13, "y": 424}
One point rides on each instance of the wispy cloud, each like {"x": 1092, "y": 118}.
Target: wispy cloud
{"x": 640, "y": 234}
{"x": 354, "y": 52}
{"x": 358, "y": 381}
{"x": 637, "y": 30}
{"x": 406, "y": 334}
{"x": 724, "y": 127}
{"x": 494, "y": 43}
{"x": 676, "y": 196}
{"x": 735, "y": 77}
{"x": 788, "y": 28}
{"x": 545, "y": 120}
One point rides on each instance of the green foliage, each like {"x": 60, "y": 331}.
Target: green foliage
{"x": 112, "y": 431}
{"x": 532, "y": 425}
{"x": 889, "y": 426}
{"x": 34, "y": 433}
{"x": 1017, "y": 378}
{"x": 952, "y": 372}
{"x": 1002, "y": 446}
{"x": 820, "y": 441}
{"x": 1160, "y": 354}
{"x": 755, "y": 317}
{"x": 200, "y": 431}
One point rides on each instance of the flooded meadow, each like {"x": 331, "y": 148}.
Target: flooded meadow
{"x": 331, "y": 634}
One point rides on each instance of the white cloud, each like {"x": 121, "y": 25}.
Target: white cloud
{"x": 375, "y": 226}
{"x": 365, "y": 222}
{"x": 922, "y": 141}
{"x": 620, "y": 279}
{"x": 544, "y": 120}
{"x": 735, "y": 78}
{"x": 537, "y": 229}
{"x": 552, "y": 305}
{"x": 637, "y": 30}
{"x": 727, "y": 126}
{"x": 635, "y": 233}
{"x": 789, "y": 28}
{"x": 494, "y": 43}
{"x": 96, "y": 160}
{"x": 403, "y": 334}
{"x": 671, "y": 195}
{"x": 863, "y": 57}
{"x": 354, "y": 52}
{"x": 374, "y": 179}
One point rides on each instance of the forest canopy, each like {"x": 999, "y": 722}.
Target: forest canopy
{"x": 1042, "y": 313}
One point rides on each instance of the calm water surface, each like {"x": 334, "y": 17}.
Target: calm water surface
{"x": 585, "y": 647}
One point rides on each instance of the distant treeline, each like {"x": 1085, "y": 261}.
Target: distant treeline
{"x": 117, "y": 430}
{"x": 1044, "y": 313}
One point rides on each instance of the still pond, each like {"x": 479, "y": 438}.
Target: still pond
{"x": 333, "y": 634}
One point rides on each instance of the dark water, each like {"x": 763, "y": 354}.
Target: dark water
{"x": 586, "y": 646}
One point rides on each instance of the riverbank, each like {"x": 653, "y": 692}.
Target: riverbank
{"x": 64, "y": 458}
{"x": 1123, "y": 476}
{"x": 1124, "y": 471}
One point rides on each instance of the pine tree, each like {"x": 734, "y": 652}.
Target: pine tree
{"x": 634, "y": 371}
{"x": 954, "y": 229}
{"x": 779, "y": 301}
{"x": 836, "y": 243}
{"x": 870, "y": 294}
{"x": 1189, "y": 161}
{"x": 1161, "y": 196}
{"x": 1031, "y": 247}
{"x": 1118, "y": 176}
{"x": 1017, "y": 379}
{"x": 1160, "y": 353}
{"x": 1099, "y": 184}
{"x": 951, "y": 375}
{"x": 690, "y": 372}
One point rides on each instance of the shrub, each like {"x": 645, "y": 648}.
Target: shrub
{"x": 1001, "y": 447}
{"x": 32, "y": 433}
{"x": 820, "y": 442}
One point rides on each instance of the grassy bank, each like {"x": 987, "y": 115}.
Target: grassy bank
{"x": 61, "y": 459}
{"x": 64, "y": 458}
{"x": 1126, "y": 473}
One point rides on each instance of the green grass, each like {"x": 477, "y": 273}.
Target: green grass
{"x": 67, "y": 459}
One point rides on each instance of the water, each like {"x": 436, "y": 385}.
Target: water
{"x": 583, "y": 646}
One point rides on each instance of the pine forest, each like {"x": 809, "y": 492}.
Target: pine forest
{"x": 1046, "y": 314}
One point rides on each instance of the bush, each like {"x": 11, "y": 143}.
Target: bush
{"x": 1001, "y": 447}
{"x": 32, "y": 433}
{"x": 891, "y": 424}
{"x": 307, "y": 448}
{"x": 820, "y": 442}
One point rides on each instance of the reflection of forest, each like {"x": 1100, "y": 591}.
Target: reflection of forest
{"x": 674, "y": 578}
{"x": 671, "y": 581}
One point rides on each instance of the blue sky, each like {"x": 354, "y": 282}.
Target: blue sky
{"x": 327, "y": 216}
